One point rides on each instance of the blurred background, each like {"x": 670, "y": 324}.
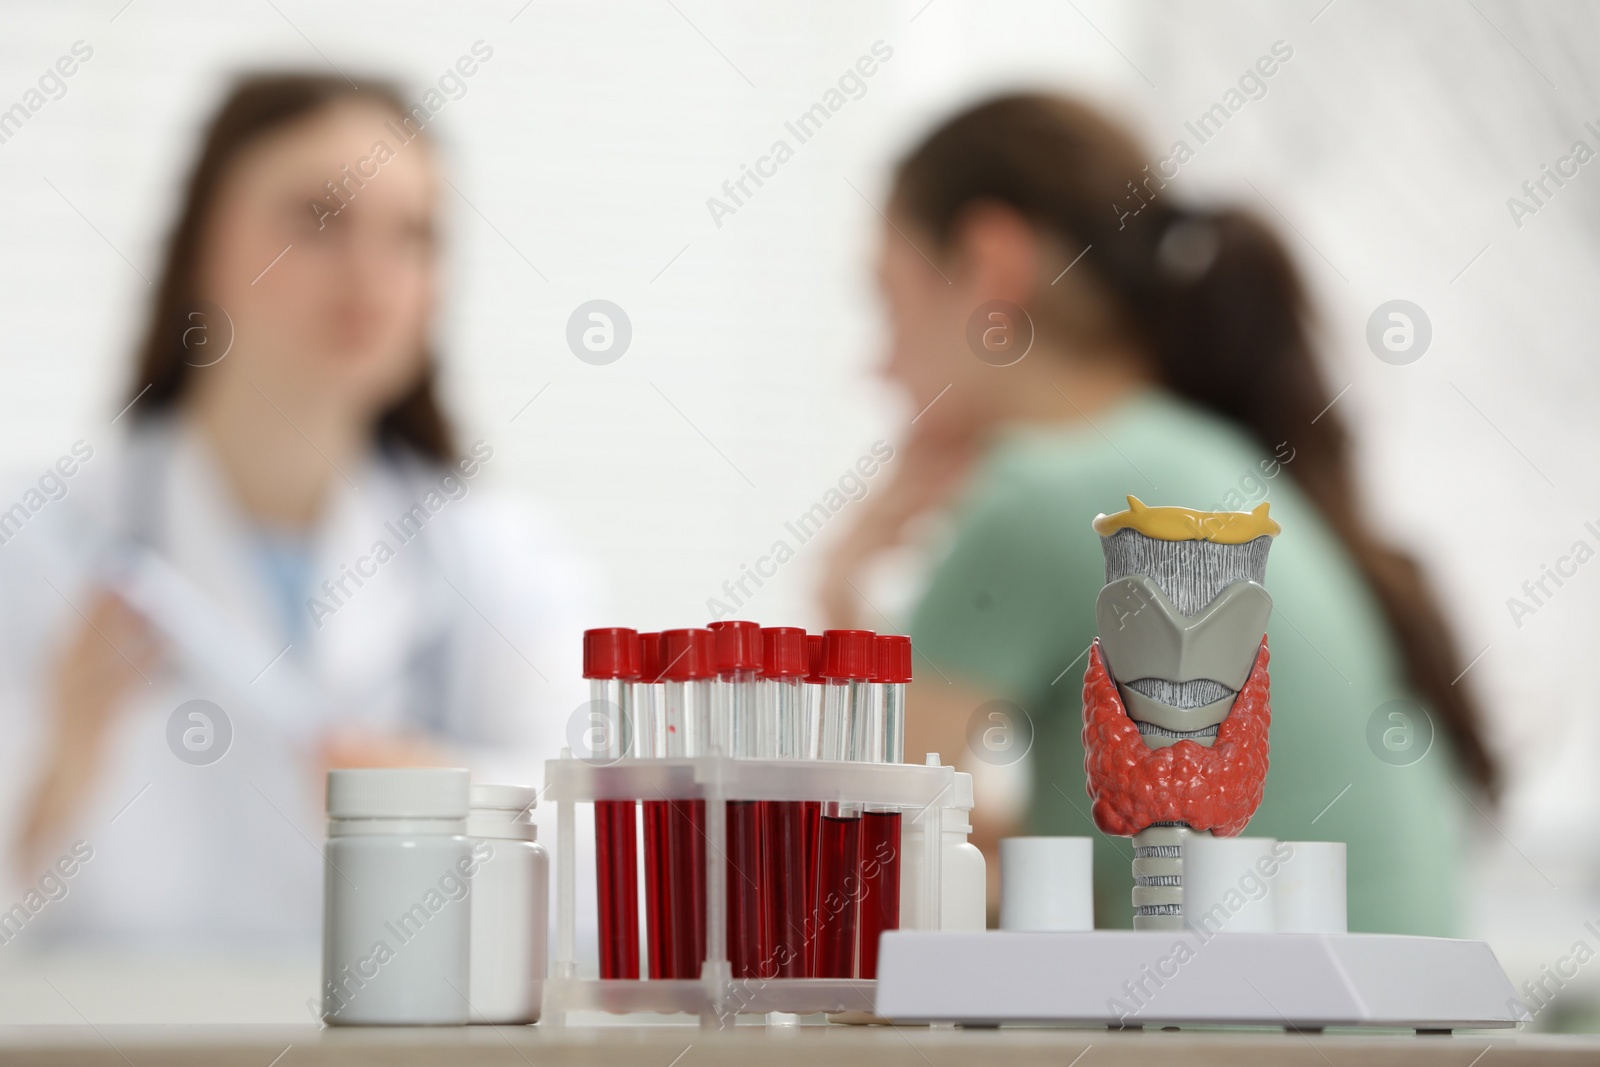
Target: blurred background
{"x": 581, "y": 158}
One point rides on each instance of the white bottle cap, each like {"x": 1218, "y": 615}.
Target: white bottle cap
{"x": 504, "y": 797}
{"x": 503, "y": 811}
{"x": 1047, "y": 883}
{"x": 398, "y": 793}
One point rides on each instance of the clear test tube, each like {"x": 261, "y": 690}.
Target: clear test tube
{"x": 894, "y": 674}
{"x": 881, "y": 847}
{"x": 737, "y": 659}
{"x": 650, "y": 742}
{"x": 687, "y": 714}
{"x": 738, "y": 664}
{"x": 808, "y": 746}
{"x": 611, "y": 663}
{"x": 847, "y": 666}
{"x": 785, "y": 662}
{"x": 808, "y": 730}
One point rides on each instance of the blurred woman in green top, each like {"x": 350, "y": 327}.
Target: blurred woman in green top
{"x": 1069, "y": 332}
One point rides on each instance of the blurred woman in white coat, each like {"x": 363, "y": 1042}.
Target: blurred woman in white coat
{"x": 278, "y": 560}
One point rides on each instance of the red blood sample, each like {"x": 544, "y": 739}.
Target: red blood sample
{"x": 785, "y": 662}
{"x": 617, "y": 875}
{"x": 687, "y": 850}
{"x": 657, "y": 878}
{"x": 787, "y": 896}
{"x": 1133, "y": 785}
{"x": 848, "y": 661}
{"x": 837, "y": 892}
{"x": 810, "y": 829}
{"x": 659, "y": 906}
{"x": 736, "y": 658}
{"x": 686, "y": 657}
{"x": 880, "y": 884}
{"x": 610, "y": 662}
{"x": 811, "y": 810}
{"x": 880, "y": 830}
{"x": 746, "y": 946}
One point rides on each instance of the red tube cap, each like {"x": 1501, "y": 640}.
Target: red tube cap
{"x": 650, "y": 661}
{"x": 784, "y": 653}
{"x": 814, "y": 646}
{"x": 894, "y": 658}
{"x": 687, "y": 655}
{"x": 847, "y": 654}
{"x": 738, "y": 646}
{"x": 612, "y": 652}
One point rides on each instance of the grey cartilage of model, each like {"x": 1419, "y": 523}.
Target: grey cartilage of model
{"x": 1158, "y": 876}
{"x": 1178, "y": 675}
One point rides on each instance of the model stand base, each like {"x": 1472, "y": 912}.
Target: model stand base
{"x": 1128, "y": 978}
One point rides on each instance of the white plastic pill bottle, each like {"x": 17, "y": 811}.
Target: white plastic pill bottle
{"x": 510, "y": 905}
{"x": 396, "y": 885}
{"x": 963, "y": 874}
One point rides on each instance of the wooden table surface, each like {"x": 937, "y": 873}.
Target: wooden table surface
{"x": 837, "y": 1046}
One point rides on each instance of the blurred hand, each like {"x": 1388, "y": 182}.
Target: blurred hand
{"x": 110, "y": 654}
{"x": 926, "y": 472}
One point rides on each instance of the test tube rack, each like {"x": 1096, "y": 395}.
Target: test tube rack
{"x": 717, "y": 997}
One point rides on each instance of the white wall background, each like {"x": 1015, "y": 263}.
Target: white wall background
{"x": 585, "y": 150}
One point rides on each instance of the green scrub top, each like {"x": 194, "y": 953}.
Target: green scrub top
{"x": 1010, "y": 610}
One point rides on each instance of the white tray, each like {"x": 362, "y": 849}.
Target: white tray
{"x": 1142, "y": 978}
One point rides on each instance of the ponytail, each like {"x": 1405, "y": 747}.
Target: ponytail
{"x": 1215, "y": 302}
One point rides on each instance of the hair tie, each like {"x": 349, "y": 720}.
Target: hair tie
{"x": 1188, "y": 247}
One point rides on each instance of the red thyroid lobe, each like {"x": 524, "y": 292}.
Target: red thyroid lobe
{"x": 1133, "y": 785}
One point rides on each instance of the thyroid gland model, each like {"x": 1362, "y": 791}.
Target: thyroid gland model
{"x": 1175, "y": 710}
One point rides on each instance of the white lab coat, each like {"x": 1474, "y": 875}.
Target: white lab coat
{"x": 469, "y": 633}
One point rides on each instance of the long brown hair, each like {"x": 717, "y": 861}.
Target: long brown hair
{"x": 1213, "y": 301}
{"x": 258, "y": 104}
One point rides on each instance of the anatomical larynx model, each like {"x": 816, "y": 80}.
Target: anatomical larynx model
{"x": 1175, "y": 710}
